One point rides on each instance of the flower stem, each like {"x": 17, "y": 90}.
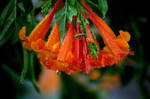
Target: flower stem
{"x": 79, "y": 35}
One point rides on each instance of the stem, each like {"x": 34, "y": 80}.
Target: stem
{"x": 32, "y": 71}
{"x": 25, "y": 65}
{"x": 79, "y": 35}
{"x": 93, "y": 4}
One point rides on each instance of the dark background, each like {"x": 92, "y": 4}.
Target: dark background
{"x": 130, "y": 15}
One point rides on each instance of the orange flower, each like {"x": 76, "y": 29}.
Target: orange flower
{"x": 116, "y": 46}
{"x": 40, "y": 30}
{"x": 49, "y": 50}
{"x": 100, "y": 21}
{"x": 77, "y": 47}
{"x": 53, "y": 43}
{"x": 85, "y": 64}
{"x": 77, "y": 51}
{"x": 89, "y": 38}
{"x": 66, "y": 51}
{"x": 49, "y": 82}
{"x": 108, "y": 40}
{"x": 53, "y": 57}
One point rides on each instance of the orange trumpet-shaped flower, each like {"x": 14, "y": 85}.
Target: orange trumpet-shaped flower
{"x": 47, "y": 51}
{"x": 100, "y": 21}
{"x": 106, "y": 32}
{"x": 40, "y": 30}
{"x": 53, "y": 43}
{"x": 50, "y": 48}
{"x": 66, "y": 51}
{"x": 64, "y": 55}
{"x": 110, "y": 42}
{"x": 89, "y": 38}
{"x": 78, "y": 47}
{"x": 79, "y": 50}
{"x": 54, "y": 39}
{"x": 116, "y": 46}
{"x": 85, "y": 64}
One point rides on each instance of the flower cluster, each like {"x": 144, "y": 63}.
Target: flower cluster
{"x": 79, "y": 50}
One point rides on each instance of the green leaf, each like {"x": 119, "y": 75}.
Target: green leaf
{"x": 103, "y": 7}
{"x": 11, "y": 73}
{"x": 71, "y": 12}
{"x": 46, "y": 7}
{"x": 7, "y": 23}
{"x": 39, "y": 4}
{"x": 72, "y": 2}
{"x": 15, "y": 33}
{"x": 92, "y": 3}
{"x": 5, "y": 12}
{"x": 20, "y": 5}
{"x": 28, "y": 6}
{"x": 62, "y": 16}
{"x": 9, "y": 35}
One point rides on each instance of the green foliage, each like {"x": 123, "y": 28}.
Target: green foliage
{"x": 45, "y": 7}
{"x": 72, "y": 2}
{"x": 63, "y": 15}
{"x": 4, "y": 13}
{"x": 27, "y": 6}
{"x": 7, "y": 18}
{"x": 61, "y": 18}
{"x": 94, "y": 49}
{"x": 20, "y": 5}
{"x": 103, "y": 7}
{"x": 41, "y": 4}
{"x": 70, "y": 13}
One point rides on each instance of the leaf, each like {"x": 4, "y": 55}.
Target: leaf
{"x": 72, "y": 2}
{"x": 46, "y": 7}
{"x": 71, "y": 12}
{"x": 20, "y": 5}
{"x": 62, "y": 16}
{"x": 27, "y": 5}
{"x": 103, "y": 7}
{"x": 6, "y": 38}
{"x": 39, "y": 4}
{"x": 7, "y": 23}
{"x": 15, "y": 33}
{"x": 5, "y": 12}
{"x": 11, "y": 73}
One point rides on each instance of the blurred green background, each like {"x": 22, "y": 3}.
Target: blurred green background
{"x": 21, "y": 71}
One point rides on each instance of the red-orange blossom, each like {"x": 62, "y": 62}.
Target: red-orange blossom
{"x": 73, "y": 54}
